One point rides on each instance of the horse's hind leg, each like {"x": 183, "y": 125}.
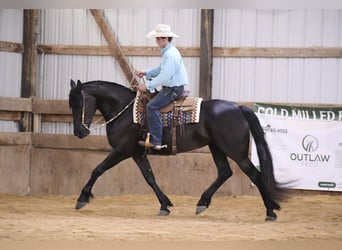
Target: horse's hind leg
{"x": 146, "y": 170}
{"x": 223, "y": 171}
{"x": 255, "y": 176}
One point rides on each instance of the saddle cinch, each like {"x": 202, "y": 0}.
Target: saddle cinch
{"x": 185, "y": 110}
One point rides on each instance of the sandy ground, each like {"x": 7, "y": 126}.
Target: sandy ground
{"x": 133, "y": 218}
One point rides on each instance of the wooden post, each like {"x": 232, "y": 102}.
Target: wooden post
{"x": 29, "y": 65}
{"x": 206, "y": 53}
{"x": 114, "y": 46}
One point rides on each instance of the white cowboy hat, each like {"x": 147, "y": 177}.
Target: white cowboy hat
{"x": 161, "y": 30}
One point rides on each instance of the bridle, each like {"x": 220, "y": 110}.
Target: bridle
{"x": 113, "y": 118}
{"x": 99, "y": 120}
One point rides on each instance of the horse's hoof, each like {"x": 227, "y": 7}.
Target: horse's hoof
{"x": 80, "y": 204}
{"x": 200, "y": 209}
{"x": 164, "y": 212}
{"x": 270, "y": 216}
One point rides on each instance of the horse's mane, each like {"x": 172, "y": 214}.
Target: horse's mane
{"x": 111, "y": 87}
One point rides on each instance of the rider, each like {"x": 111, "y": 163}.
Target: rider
{"x": 171, "y": 75}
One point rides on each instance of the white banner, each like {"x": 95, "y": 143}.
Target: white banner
{"x": 305, "y": 143}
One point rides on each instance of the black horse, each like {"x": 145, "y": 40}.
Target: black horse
{"x": 224, "y": 126}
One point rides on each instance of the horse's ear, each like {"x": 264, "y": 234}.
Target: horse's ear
{"x": 79, "y": 84}
{"x": 72, "y": 84}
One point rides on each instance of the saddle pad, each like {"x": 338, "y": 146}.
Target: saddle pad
{"x": 189, "y": 111}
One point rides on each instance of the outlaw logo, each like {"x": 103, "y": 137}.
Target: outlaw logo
{"x": 310, "y": 143}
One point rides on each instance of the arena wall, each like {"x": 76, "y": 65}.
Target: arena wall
{"x": 49, "y": 164}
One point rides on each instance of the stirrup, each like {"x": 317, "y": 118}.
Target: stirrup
{"x": 159, "y": 147}
{"x": 147, "y": 144}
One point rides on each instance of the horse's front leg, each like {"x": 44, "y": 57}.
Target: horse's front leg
{"x": 110, "y": 161}
{"x": 146, "y": 170}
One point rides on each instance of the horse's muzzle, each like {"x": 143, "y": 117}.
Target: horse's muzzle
{"x": 81, "y": 132}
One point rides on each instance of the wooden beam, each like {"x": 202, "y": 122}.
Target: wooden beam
{"x": 262, "y": 52}
{"x": 52, "y": 110}
{"x": 57, "y": 118}
{"x": 64, "y": 118}
{"x": 12, "y": 138}
{"x": 114, "y": 46}
{"x": 10, "y": 116}
{"x": 15, "y": 104}
{"x": 11, "y": 47}
{"x": 206, "y": 54}
{"x": 50, "y": 106}
{"x": 29, "y": 61}
{"x": 99, "y": 50}
{"x": 29, "y": 64}
{"x": 310, "y": 52}
{"x": 55, "y": 141}
{"x": 12, "y": 108}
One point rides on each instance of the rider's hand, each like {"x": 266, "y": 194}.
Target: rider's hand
{"x": 140, "y": 73}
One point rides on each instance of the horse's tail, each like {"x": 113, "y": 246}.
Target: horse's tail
{"x": 274, "y": 189}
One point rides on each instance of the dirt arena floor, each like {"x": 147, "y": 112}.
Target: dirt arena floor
{"x": 130, "y": 222}
{"x": 133, "y": 218}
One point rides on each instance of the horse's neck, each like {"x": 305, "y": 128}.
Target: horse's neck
{"x": 110, "y": 99}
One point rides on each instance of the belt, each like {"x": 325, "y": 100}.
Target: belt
{"x": 180, "y": 86}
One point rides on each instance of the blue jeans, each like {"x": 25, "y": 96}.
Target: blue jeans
{"x": 166, "y": 96}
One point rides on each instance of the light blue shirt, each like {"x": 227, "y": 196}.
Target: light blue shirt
{"x": 171, "y": 71}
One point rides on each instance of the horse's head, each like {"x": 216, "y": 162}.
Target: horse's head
{"x": 83, "y": 108}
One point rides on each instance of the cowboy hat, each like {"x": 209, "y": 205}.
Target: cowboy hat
{"x": 161, "y": 30}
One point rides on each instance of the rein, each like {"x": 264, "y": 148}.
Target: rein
{"x": 107, "y": 122}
